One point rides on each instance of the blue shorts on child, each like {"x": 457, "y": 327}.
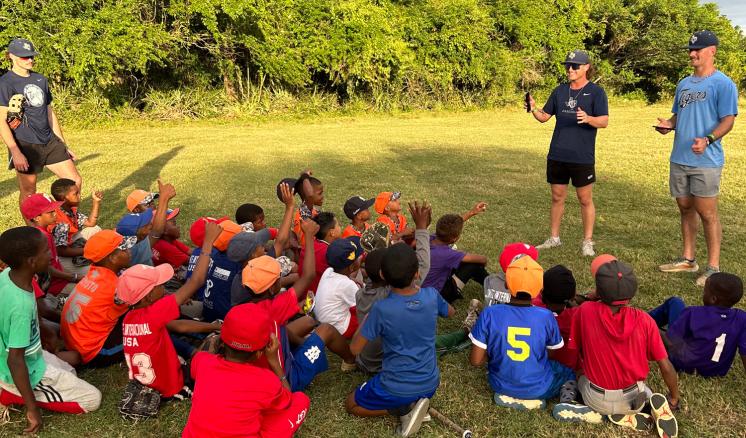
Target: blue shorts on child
{"x": 370, "y": 395}
{"x": 306, "y": 362}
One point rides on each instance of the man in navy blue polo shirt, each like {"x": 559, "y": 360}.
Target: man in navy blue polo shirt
{"x": 581, "y": 108}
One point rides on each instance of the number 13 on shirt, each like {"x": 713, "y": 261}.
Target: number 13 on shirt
{"x": 521, "y": 350}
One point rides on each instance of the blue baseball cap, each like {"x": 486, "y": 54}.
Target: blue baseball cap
{"x": 577, "y": 57}
{"x": 702, "y": 39}
{"x": 343, "y": 252}
{"x": 22, "y": 47}
{"x": 130, "y": 223}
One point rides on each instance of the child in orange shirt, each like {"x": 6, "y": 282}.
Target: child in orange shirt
{"x": 311, "y": 192}
{"x": 388, "y": 207}
{"x": 356, "y": 209}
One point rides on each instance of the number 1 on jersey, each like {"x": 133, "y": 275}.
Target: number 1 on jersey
{"x": 719, "y": 344}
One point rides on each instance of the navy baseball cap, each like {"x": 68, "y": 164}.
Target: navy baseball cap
{"x": 22, "y": 47}
{"x": 242, "y": 245}
{"x": 577, "y": 57}
{"x": 343, "y": 252}
{"x": 702, "y": 39}
{"x": 130, "y": 223}
{"x": 356, "y": 204}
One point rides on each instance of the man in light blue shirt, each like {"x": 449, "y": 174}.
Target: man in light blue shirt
{"x": 704, "y": 110}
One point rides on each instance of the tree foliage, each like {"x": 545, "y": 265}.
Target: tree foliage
{"x": 433, "y": 49}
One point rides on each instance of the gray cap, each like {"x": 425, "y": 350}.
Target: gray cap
{"x": 577, "y": 57}
{"x": 22, "y": 47}
{"x": 702, "y": 39}
{"x": 243, "y": 244}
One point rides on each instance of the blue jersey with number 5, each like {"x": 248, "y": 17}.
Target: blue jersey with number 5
{"x": 516, "y": 339}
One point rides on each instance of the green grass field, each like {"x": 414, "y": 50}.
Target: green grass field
{"x": 452, "y": 160}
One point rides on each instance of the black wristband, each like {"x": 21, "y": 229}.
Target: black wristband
{"x": 710, "y": 139}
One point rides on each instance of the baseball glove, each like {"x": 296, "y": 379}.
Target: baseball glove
{"x": 139, "y": 402}
{"x": 376, "y": 237}
{"x": 15, "y": 111}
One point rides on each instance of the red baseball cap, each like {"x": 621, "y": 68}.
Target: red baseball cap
{"x": 38, "y": 204}
{"x": 197, "y": 230}
{"x": 136, "y": 282}
{"x": 513, "y": 250}
{"x": 246, "y": 327}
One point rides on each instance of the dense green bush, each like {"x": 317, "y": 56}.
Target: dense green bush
{"x": 167, "y": 57}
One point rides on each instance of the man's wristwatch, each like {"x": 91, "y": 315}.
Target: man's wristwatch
{"x": 710, "y": 139}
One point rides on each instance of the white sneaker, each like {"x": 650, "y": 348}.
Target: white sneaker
{"x": 587, "y": 248}
{"x": 475, "y": 306}
{"x": 410, "y": 423}
{"x": 4, "y": 414}
{"x": 552, "y": 242}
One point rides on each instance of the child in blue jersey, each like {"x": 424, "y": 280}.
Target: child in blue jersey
{"x": 406, "y": 322}
{"x": 514, "y": 339}
{"x": 704, "y": 339}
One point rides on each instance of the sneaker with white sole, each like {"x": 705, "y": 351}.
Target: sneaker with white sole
{"x": 348, "y": 367}
{"x": 552, "y": 242}
{"x": 411, "y": 422}
{"x": 475, "y": 306}
{"x": 665, "y": 422}
{"x": 702, "y": 279}
{"x": 637, "y": 421}
{"x": 680, "y": 265}
{"x": 517, "y": 403}
{"x": 575, "y": 413}
{"x": 587, "y": 248}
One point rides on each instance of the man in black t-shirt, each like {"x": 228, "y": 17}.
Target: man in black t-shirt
{"x": 28, "y": 124}
{"x": 581, "y": 107}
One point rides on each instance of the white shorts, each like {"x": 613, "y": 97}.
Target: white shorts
{"x": 60, "y": 384}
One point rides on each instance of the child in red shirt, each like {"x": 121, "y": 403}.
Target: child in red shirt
{"x": 615, "y": 343}
{"x": 169, "y": 249}
{"x": 233, "y": 395}
{"x": 148, "y": 349}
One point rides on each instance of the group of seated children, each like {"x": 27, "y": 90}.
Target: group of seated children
{"x": 77, "y": 296}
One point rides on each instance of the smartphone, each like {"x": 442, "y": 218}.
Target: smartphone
{"x": 663, "y": 127}
{"x": 527, "y": 98}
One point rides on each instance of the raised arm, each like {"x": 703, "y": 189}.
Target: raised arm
{"x": 310, "y": 228}
{"x": 479, "y": 207}
{"x": 97, "y": 196}
{"x": 422, "y": 216}
{"x": 283, "y": 234}
{"x": 198, "y": 277}
{"x": 166, "y": 192}
{"x": 538, "y": 113}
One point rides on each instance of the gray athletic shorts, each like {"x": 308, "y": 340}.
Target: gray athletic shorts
{"x": 686, "y": 181}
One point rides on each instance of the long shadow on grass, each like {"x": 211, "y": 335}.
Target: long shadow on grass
{"x": 10, "y": 185}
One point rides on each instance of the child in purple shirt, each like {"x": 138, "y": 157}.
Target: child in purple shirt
{"x": 450, "y": 269}
{"x": 704, "y": 339}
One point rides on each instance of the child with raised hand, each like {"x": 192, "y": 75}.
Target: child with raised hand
{"x": 451, "y": 269}
{"x": 406, "y": 323}
{"x": 147, "y": 226}
{"x": 72, "y": 228}
{"x": 261, "y": 279}
{"x": 388, "y": 207}
{"x": 311, "y": 192}
{"x": 704, "y": 339}
{"x": 615, "y": 342}
{"x": 29, "y": 374}
{"x": 40, "y": 211}
{"x": 235, "y": 393}
{"x": 357, "y": 211}
{"x": 515, "y": 338}
{"x": 169, "y": 249}
{"x": 148, "y": 349}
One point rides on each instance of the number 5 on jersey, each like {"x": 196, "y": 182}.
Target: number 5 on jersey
{"x": 521, "y": 349}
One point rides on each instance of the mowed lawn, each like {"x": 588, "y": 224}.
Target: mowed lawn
{"x": 453, "y": 160}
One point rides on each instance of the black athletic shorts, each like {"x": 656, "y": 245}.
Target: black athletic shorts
{"x": 559, "y": 172}
{"x": 40, "y": 155}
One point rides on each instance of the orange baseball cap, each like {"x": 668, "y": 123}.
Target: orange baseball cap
{"x": 197, "y": 230}
{"x": 383, "y": 199}
{"x": 137, "y": 282}
{"x": 260, "y": 273}
{"x": 104, "y": 243}
{"x": 140, "y": 197}
{"x": 600, "y": 260}
{"x": 524, "y": 275}
{"x": 230, "y": 229}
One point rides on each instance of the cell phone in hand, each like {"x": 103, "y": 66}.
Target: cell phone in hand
{"x": 527, "y": 98}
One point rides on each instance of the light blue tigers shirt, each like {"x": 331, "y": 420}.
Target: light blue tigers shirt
{"x": 699, "y": 105}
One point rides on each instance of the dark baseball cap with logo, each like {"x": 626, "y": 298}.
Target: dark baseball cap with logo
{"x": 577, "y": 57}
{"x": 22, "y": 48}
{"x": 616, "y": 282}
{"x": 356, "y": 204}
{"x": 702, "y": 39}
